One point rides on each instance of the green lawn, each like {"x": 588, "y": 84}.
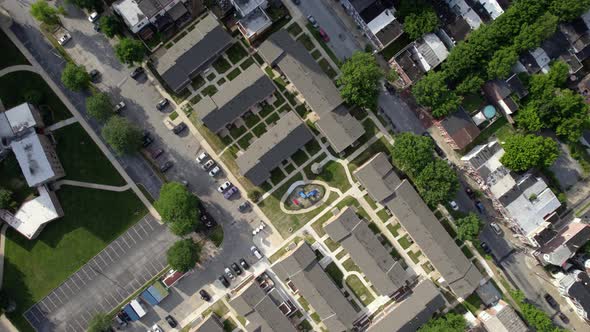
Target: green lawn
{"x": 51, "y": 108}
{"x": 301, "y": 110}
{"x": 306, "y": 41}
{"x": 359, "y": 289}
{"x": 272, "y": 119}
{"x": 331, "y": 244}
{"x": 294, "y": 29}
{"x": 394, "y": 229}
{"x": 266, "y": 110}
{"x": 299, "y": 157}
{"x": 197, "y": 82}
{"x": 382, "y": 214}
{"x": 473, "y": 102}
{"x": 370, "y": 201}
{"x": 334, "y": 174}
{"x": 415, "y": 256}
{"x": 221, "y": 81}
{"x": 473, "y": 303}
{"x": 327, "y": 68}
{"x": 247, "y": 63}
{"x": 11, "y": 55}
{"x": 350, "y": 266}
{"x": 396, "y": 46}
{"x": 259, "y": 130}
{"x": 236, "y": 132}
{"x": 209, "y": 90}
{"x": 244, "y": 142}
{"x": 229, "y": 324}
{"x": 251, "y": 119}
{"x": 233, "y": 74}
{"x": 316, "y": 54}
{"x": 379, "y": 146}
{"x": 404, "y": 242}
{"x": 221, "y": 65}
{"x": 93, "y": 218}
{"x": 82, "y": 159}
{"x": 236, "y": 53}
{"x": 277, "y": 175}
{"x": 289, "y": 169}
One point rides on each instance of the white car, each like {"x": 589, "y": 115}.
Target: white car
{"x": 120, "y": 106}
{"x": 93, "y": 17}
{"x": 454, "y": 205}
{"x": 224, "y": 186}
{"x": 229, "y": 274}
{"x": 207, "y": 165}
{"x": 214, "y": 171}
{"x": 496, "y": 228}
{"x": 256, "y": 252}
{"x": 201, "y": 158}
{"x": 156, "y": 328}
{"x": 64, "y": 39}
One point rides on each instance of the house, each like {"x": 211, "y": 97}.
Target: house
{"x": 385, "y": 274}
{"x": 196, "y": 51}
{"x": 502, "y": 318}
{"x": 288, "y": 56}
{"x": 575, "y": 286}
{"x": 377, "y": 20}
{"x": 384, "y": 186}
{"x": 19, "y": 119}
{"x": 281, "y": 141}
{"x": 253, "y": 20}
{"x": 237, "y": 97}
{"x": 412, "y": 312}
{"x": 453, "y": 27}
{"x": 211, "y": 323}
{"x": 141, "y": 16}
{"x": 303, "y": 270}
{"x": 461, "y": 8}
{"x": 500, "y": 93}
{"x": 554, "y": 48}
{"x": 458, "y": 129}
{"x": 564, "y": 244}
{"x": 37, "y": 159}
{"x": 419, "y": 57}
{"x": 261, "y": 310}
{"x": 525, "y": 200}
{"x": 577, "y": 33}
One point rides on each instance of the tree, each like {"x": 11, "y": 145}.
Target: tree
{"x": 101, "y": 322}
{"x": 87, "y": 4}
{"x": 6, "y": 201}
{"x": 571, "y": 115}
{"x": 528, "y": 119}
{"x": 44, "y": 13}
{"x": 417, "y": 25}
{"x": 471, "y": 84}
{"x": 501, "y": 63}
{"x": 450, "y": 322}
{"x": 437, "y": 183}
{"x": 432, "y": 91}
{"x": 99, "y": 106}
{"x": 534, "y": 316}
{"x": 183, "y": 255}
{"x": 392, "y": 75}
{"x": 523, "y": 152}
{"x": 532, "y": 35}
{"x": 411, "y": 153}
{"x": 468, "y": 227}
{"x": 110, "y": 25}
{"x": 360, "y": 80}
{"x": 129, "y": 51}
{"x": 178, "y": 208}
{"x": 568, "y": 10}
{"x": 121, "y": 135}
{"x": 75, "y": 77}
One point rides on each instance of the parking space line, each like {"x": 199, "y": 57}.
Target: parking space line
{"x": 147, "y": 222}
{"x": 120, "y": 247}
{"x": 131, "y": 237}
{"x": 31, "y": 315}
{"x": 140, "y": 237}
{"x": 94, "y": 265}
{"x": 114, "y": 252}
{"x": 71, "y": 327}
{"x": 87, "y": 267}
{"x": 103, "y": 260}
{"x": 68, "y": 286}
{"x": 108, "y": 254}
{"x": 43, "y": 304}
{"x": 80, "y": 326}
{"x": 146, "y": 232}
{"x": 63, "y": 293}
{"x": 52, "y": 302}
{"x": 82, "y": 281}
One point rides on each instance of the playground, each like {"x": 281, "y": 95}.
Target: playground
{"x": 304, "y": 196}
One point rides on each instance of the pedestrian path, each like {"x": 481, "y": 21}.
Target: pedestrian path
{"x": 15, "y": 68}
{"x": 91, "y": 185}
{"x": 2, "y": 242}
{"x": 62, "y": 124}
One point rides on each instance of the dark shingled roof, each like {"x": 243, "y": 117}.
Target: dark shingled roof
{"x": 460, "y": 127}
{"x": 282, "y": 140}
{"x": 580, "y": 291}
{"x": 210, "y": 324}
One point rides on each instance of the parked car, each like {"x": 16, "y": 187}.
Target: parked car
{"x": 156, "y": 328}
{"x": 469, "y": 192}
{"x": 166, "y": 166}
{"x": 256, "y": 252}
{"x": 204, "y": 295}
{"x": 229, "y": 274}
{"x": 224, "y": 186}
{"x": 236, "y": 268}
{"x": 208, "y": 165}
{"x": 207, "y": 220}
{"x": 551, "y": 301}
{"x": 155, "y": 153}
{"x": 136, "y": 72}
{"x": 64, "y": 39}
{"x": 179, "y": 128}
{"x": 313, "y": 22}
{"x": 223, "y": 281}
{"x": 184, "y": 183}
{"x": 244, "y": 206}
{"x": 214, "y": 171}
{"x": 563, "y": 317}
{"x": 146, "y": 139}
{"x": 202, "y": 157}
{"x": 230, "y": 192}
{"x": 93, "y": 17}
{"x": 324, "y": 35}
{"x": 96, "y": 26}
{"x": 485, "y": 248}
{"x": 120, "y": 106}
{"x": 496, "y": 228}
{"x": 94, "y": 75}
{"x": 480, "y": 207}
{"x": 162, "y": 104}
{"x": 244, "y": 264}
{"x": 171, "y": 321}
{"x": 454, "y": 205}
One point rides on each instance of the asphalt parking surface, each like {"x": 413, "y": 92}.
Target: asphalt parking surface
{"x": 106, "y": 280}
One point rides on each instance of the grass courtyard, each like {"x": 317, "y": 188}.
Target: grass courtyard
{"x": 11, "y": 55}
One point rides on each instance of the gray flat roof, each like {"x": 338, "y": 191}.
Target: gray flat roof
{"x": 192, "y": 53}
{"x": 412, "y": 312}
{"x": 303, "y": 269}
{"x": 385, "y": 273}
{"x": 210, "y": 324}
{"x": 421, "y": 224}
{"x": 235, "y": 98}
{"x": 281, "y": 141}
{"x": 260, "y": 310}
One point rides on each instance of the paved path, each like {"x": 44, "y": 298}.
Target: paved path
{"x": 92, "y": 185}
{"x": 2, "y": 243}
{"x": 62, "y": 124}
{"x": 12, "y": 69}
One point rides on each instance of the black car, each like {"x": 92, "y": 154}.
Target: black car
{"x": 204, "y": 295}
{"x": 470, "y": 193}
{"x": 146, "y": 139}
{"x": 179, "y": 128}
{"x": 96, "y": 27}
{"x": 171, "y": 321}
{"x": 136, "y": 72}
{"x": 162, "y": 104}
{"x": 207, "y": 220}
{"x": 94, "y": 75}
{"x": 236, "y": 268}
{"x": 485, "y": 248}
{"x": 166, "y": 166}
{"x": 244, "y": 264}
{"x": 551, "y": 301}
{"x": 244, "y": 206}
{"x": 224, "y": 281}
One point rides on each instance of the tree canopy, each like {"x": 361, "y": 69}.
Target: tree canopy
{"x": 129, "y": 51}
{"x": 75, "y": 77}
{"x": 534, "y": 316}
{"x": 501, "y": 63}
{"x": 437, "y": 183}
{"x": 468, "y": 227}
{"x": 411, "y": 153}
{"x": 450, "y": 322}
{"x": 178, "y": 208}
{"x": 121, "y": 135}
{"x": 183, "y": 255}
{"x": 44, "y": 13}
{"x": 418, "y": 24}
{"x": 5, "y": 198}
{"x": 360, "y": 80}
{"x": 523, "y": 152}
{"x": 432, "y": 91}
{"x": 110, "y": 25}
{"x": 567, "y": 10}
{"x": 99, "y": 106}
{"x": 101, "y": 322}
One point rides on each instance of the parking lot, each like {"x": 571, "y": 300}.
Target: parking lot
{"x": 106, "y": 280}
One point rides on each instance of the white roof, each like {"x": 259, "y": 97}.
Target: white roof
{"x": 529, "y": 215}
{"x": 34, "y": 214}
{"x": 256, "y": 22}
{"x": 492, "y": 7}
{"x": 130, "y": 12}
{"x": 437, "y": 46}
{"x": 245, "y": 7}
{"x": 137, "y": 308}
{"x": 21, "y": 117}
{"x": 462, "y": 8}
{"x": 586, "y": 18}
{"x": 478, "y": 118}
{"x": 542, "y": 59}
{"x": 381, "y": 21}
{"x": 32, "y": 159}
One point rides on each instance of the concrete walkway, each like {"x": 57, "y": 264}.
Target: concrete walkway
{"x": 62, "y": 124}
{"x": 2, "y": 243}
{"x": 91, "y": 185}
{"x": 16, "y": 68}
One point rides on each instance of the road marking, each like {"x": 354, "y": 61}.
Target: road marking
{"x": 45, "y": 305}
{"x": 122, "y": 81}
{"x": 120, "y": 247}
{"x": 80, "y": 278}
{"x": 66, "y": 283}
{"x": 112, "y": 260}
{"x": 141, "y": 238}
{"x": 50, "y": 300}
{"x": 131, "y": 237}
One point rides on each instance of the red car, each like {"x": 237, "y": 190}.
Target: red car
{"x": 324, "y": 35}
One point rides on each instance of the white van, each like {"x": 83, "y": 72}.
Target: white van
{"x": 256, "y": 252}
